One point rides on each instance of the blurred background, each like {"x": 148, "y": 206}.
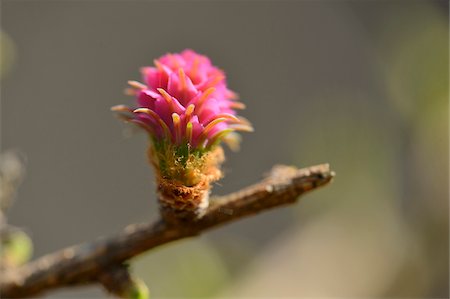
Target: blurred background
{"x": 362, "y": 85}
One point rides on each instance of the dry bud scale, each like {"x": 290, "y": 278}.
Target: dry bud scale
{"x": 187, "y": 110}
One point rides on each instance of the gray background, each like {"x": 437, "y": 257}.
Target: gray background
{"x": 313, "y": 77}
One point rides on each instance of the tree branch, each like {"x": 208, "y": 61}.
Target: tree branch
{"x": 86, "y": 263}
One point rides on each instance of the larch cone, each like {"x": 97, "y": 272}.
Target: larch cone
{"x": 187, "y": 110}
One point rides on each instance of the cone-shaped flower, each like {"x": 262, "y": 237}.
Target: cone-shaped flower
{"x": 187, "y": 109}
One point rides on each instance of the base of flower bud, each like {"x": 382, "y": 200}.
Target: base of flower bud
{"x": 184, "y": 182}
{"x": 179, "y": 203}
{"x": 179, "y": 199}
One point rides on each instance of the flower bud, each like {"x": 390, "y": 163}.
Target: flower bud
{"x": 187, "y": 110}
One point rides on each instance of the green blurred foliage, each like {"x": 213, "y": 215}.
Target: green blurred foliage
{"x": 7, "y": 54}
{"x": 16, "y": 249}
{"x": 417, "y": 78}
{"x": 137, "y": 290}
{"x": 416, "y": 66}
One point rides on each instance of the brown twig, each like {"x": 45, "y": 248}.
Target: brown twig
{"x": 86, "y": 263}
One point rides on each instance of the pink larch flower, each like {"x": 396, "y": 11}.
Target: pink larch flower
{"x": 187, "y": 109}
{"x": 185, "y": 101}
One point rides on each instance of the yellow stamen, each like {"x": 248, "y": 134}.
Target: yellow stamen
{"x": 232, "y": 140}
{"x": 217, "y": 137}
{"x": 137, "y": 84}
{"x": 194, "y": 68}
{"x": 158, "y": 65}
{"x": 182, "y": 76}
{"x": 130, "y": 92}
{"x": 176, "y": 126}
{"x": 242, "y": 127}
{"x": 208, "y": 128}
{"x": 189, "y": 111}
{"x": 204, "y": 96}
{"x": 244, "y": 121}
{"x": 189, "y": 128}
{"x": 233, "y": 95}
{"x": 156, "y": 118}
{"x": 143, "y": 125}
{"x": 216, "y": 80}
{"x": 237, "y": 105}
{"x": 121, "y": 108}
{"x": 229, "y": 117}
{"x": 166, "y": 97}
